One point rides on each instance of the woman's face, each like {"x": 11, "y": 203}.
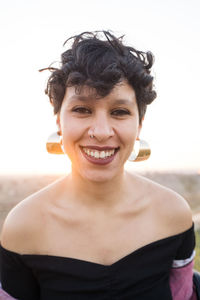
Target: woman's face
{"x": 113, "y": 121}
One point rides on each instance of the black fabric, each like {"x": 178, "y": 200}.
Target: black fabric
{"x": 188, "y": 244}
{"x": 16, "y": 278}
{"x": 141, "y": 275}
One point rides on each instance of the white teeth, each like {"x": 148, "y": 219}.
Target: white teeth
{"x": 102, "y": 154}
{"x": 98, "y": 154}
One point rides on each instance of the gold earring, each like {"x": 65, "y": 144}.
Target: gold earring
{"x": 54, "y": 143}
{"x": 141, "y": 151}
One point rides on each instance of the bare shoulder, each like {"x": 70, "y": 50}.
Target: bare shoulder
{"x": 23, "y": 223}
{"x": 171, "y": 209}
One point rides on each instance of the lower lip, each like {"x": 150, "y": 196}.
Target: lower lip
{"x": 99, "y": 161}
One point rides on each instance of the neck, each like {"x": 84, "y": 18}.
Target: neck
{"x": 98, "y": 194}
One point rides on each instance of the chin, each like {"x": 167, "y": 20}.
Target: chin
{"x": 97, "y": 173}
{"x": 98, "y": 176}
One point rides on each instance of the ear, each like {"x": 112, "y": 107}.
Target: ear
{"x": 140, "y": 128}
{"x": 58, "y": 123}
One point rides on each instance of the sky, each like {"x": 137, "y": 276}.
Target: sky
{"x": 32, "y": 37}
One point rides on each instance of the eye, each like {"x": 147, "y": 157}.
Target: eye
{"x": 120, "y": 112}
{"x": 81, "y": 110}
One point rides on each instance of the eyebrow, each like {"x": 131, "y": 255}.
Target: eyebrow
{"x": 89, "y": 98}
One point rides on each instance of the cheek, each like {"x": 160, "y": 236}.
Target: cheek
{"x": 71, "y": 132}
{"x": 70, "y": 135}
{"x": 69, "y": 138}
{"x": 128, "y": 134}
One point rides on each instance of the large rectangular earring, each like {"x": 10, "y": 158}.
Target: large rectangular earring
{"x": 141, "y": 151}
{"x": 53, "y": 144}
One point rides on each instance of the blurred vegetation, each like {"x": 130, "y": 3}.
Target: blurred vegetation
{"x": 197, "y": 257}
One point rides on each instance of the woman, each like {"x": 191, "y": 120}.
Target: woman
{"x": 101, "y": 232}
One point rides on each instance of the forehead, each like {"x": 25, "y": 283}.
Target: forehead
{"x": 123, "y": 93}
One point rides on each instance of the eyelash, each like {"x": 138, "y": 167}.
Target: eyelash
{"x": 116, "y": 112}
{"x": 120, "y": 112}
{"x": 81, "y": 110}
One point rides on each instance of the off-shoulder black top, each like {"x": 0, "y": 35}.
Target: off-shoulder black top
{"x": 143, "y": 274}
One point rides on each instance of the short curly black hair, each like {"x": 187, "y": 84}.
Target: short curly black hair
{"x": 100, "y": 60}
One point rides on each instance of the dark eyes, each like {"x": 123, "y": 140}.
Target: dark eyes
{"x": 116, "y": 112}
{"x": 81, "y": 110}
{"x": 120, "y": 112}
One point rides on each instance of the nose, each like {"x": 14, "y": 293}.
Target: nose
{"x": 101, "y": 127}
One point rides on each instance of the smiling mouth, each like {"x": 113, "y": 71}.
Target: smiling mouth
{"x": 97, "y": 154}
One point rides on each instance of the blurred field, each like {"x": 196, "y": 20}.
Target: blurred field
{"x": 197, "y": 256}
{"x": 16, "y": 187}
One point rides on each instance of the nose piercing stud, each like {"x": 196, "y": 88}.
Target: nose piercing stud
{"x": 91, "y": 136}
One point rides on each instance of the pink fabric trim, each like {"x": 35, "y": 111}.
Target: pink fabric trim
{"x": 194, "y": 295}
{"x": 5, "y": 296}
{"x": 181, "y": 282}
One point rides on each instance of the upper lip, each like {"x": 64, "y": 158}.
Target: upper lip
{"x": 99, "y": 148}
